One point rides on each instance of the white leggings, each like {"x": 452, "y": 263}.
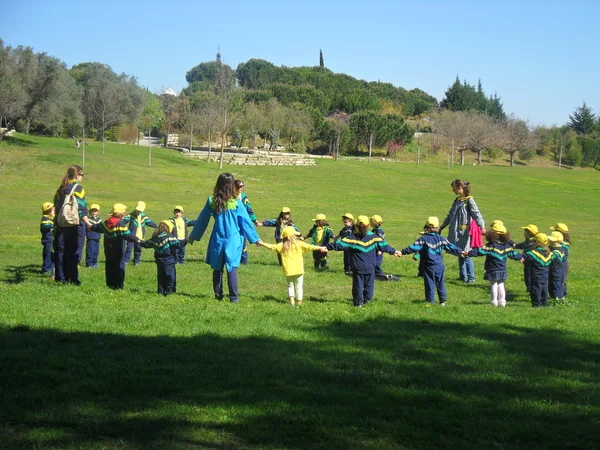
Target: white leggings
{"x": 497, "y": 293}
{"x": 295, "y": 286}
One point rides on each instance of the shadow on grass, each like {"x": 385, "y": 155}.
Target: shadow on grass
{"x": 19, "y": 142}
{"x": 379, "y": 383}
{"x": 18, "y": 274}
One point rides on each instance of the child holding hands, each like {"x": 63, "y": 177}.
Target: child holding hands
{"x": 290, "y": 250}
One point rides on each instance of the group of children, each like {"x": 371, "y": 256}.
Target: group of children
{"x": 545, "y": 258}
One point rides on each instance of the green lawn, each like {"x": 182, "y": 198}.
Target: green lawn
{"x": 93, "y": 368}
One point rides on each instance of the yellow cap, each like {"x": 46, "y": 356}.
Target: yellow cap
{"x": 556, "y": 236}
{"x": 95, "y": 206}
{"x": 498, "y": 227}
{"x": 118, "y": 208}
{"x": 531, "y": 228}
{"x": 47, "y": 206}
{"x": 499, "y": 222}
{"x": 560, "y": 227}
{"x": 432, "y": 222}
{"x": 169, "y": 224}
{"x": 377, "y": 219}
{"x": 289, "y": 231}
{"x": 363, "y": 220}
{"x": 319, "y": 217}
{"x": 286, "y": 210}
{"x": 178, "y": 208}
{"x": 541, "y": 238}
{"x": 141, "y": 206}
{"x": 348, "y": 216}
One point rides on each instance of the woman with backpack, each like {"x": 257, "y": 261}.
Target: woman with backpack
{"x": 70, "y": 224}
{"x": 460, "y": 222}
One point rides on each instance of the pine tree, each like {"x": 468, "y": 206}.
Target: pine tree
{"x": 321, "y": 62}
{"x": 583, "y": 120}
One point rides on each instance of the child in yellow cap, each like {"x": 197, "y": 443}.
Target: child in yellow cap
{"x": 496, "y": 250}
{"x": 348, "y": 221}
{"x": 291, "y": 249}
{"x": 92, "y": 244}
{"x": 47, "y": 231}
{"x": 431, "y": 263}
{"x": 363, "y": 246}
{"x": 137, "y": 222}
{"x": 116, "y": 235}
{"x": 540, "y": 259}
{"x": 180, "y": 226}
{"x": 376, "y": 221}
{"x": 165, "y": 246}
{"x": 556, "y": 276}
{"x": 566, "y": 244}
{"x": 529, "y": 243}
{"x": 320, "y": 235}
{"x": 283, "y": 220}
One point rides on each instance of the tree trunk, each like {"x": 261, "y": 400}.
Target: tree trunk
{"x": 370, "y": 145}
{"x": 479, "y": 157}
{"x": 223, "y": 137}
{"x": 462, "y": 157}
{"x": 337, "y": 146}
{"x": 191, "y": 135}
{"x": 512, "y": 159}
{"x": 77, "y": 141}
{"x": 83, "y": 149}
{"x": 209, "y": 146}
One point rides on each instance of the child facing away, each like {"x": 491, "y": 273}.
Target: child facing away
{"x": 137, "y": 222}
{"x": 498, "y": 248}
{"x": 92, "y": 242}
{"x": 363, "y": 246}
{"x": 320, "y": 235}
{"x": 180, "y": 225}
{"x": 116, "y": 235}
{"x": 529, "y": 243}
{"x": 283, "y": 220}
{"x": 165, "y": 246}
{"x": 47, "y": 230}
{"x": 431, "y": 262}
{"x": 564, "y": 230}
{"x": 556, "y": 280}
{"x": 348, "y": 221}
{"x": 291, "y": 250}
{"x": 240, "y": 186}
{"x": 539, "y": 259}
{"x": 376, "y": 221}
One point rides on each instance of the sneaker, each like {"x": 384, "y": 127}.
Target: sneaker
{"x": 443, "y": 304}
{"x": 494, "y": 302}
{"x": 298, "y": 302}
{"x": 502, "y": 303}
{"x": 358, "y": 306}
{"x": 393, "y": 278}
{"x": 348, "y": 272}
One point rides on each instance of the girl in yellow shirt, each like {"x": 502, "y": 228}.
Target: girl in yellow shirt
{"x": 291, "y": 250}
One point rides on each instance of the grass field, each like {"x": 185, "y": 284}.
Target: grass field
{"x": 90, "y": 368}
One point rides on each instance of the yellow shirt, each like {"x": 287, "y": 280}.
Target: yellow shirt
{"x": 292, "y": 261}
{"x": 180, "y": 227}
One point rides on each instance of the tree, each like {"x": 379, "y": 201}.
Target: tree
{"x": 321, "y": 62}
{"x": 465, "y": 97}
{"x": 377, "y": 129}
{"x": 171, "y": 106}
{"x": 226, "y": 95}
{"x": 108, "y": 98}
{"x": 151, "y": 117}
{"x": 583, "y": 120}
{"x": 518, "y": 138}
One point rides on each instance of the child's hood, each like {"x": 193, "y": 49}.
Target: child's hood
{"x": 112, "y": 222}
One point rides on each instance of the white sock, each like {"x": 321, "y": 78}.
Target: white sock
{"x": 494, "y": 293}
{"x": 501, "y": 294}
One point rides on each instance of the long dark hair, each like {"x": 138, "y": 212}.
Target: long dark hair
{"x": 224, "y": 191}
{"x": 465, "y": 185}
{"x": 72, "y": 172}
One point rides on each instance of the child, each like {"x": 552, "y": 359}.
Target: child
{"x": 430, "y": 246}
{"x": 180, "y": 224}
{"x": 283, "y": 220}
{"x": 529, "y": 243}
{"x": 363, "y": 246}
{"x": 291, "y": 250}
{"x": 556, "y": 274}
{"x": 164, "y": 244}
{"x": 496, "y": 250}
{"x": 320, "y": 234}
{"x": 540, "y": 259}
{"x": 564, "y": 230}
{"x": 92, "y": 245}
{"x": 116, "y": 232}
{"x": 47, "y": 229}
{"x": 348, "y": 221}
{"x": 240, "y": 186}
{"x": 137, "y": 222}
{"x": 376, "y": 222}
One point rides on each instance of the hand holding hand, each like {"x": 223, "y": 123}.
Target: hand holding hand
{"x": 398, "y": 254}
{"x": 324, "y": 250}
{"x": 259, "y": 243}
{"x": 190, "y": 241}
{"x": 258, "y": 224}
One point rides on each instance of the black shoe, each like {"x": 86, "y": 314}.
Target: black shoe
{"x": 349, "y": 273}
{"x": 393, "y": 278}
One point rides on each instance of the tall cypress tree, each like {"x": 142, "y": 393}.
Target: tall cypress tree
{"x": 321, "y": 63}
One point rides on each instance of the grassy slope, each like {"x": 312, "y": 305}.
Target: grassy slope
{"x": 92, "y": 368}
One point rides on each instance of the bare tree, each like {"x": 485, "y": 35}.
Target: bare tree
{"x": 482, "y": 133}
{"x": 517, "y": 137}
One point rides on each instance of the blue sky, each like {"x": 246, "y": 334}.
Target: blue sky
{"x": 540, "y": 57}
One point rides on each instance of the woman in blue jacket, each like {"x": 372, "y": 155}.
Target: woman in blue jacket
{"x": 232, "y": 225}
